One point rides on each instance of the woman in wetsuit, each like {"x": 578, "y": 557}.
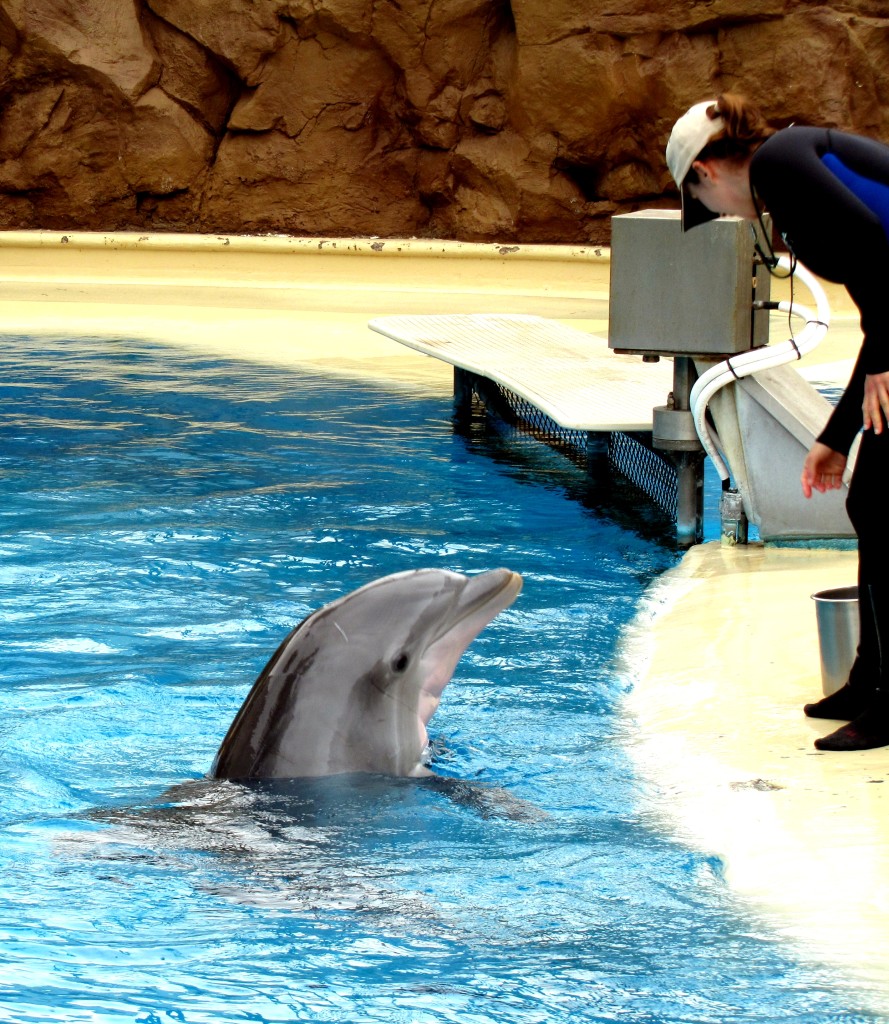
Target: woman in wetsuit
{"x": 828, "y": 194}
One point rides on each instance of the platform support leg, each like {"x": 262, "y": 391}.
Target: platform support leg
{"x": 463, "y": 390}
{"x": 689, "y": 463}
{"x": 689, "y": 498}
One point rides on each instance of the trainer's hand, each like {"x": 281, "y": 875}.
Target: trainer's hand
{"x": 822, "y": 470}
{"x": 876, "y": 401}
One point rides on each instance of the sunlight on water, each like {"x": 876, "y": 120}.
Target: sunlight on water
{"x": 166, "y": 521}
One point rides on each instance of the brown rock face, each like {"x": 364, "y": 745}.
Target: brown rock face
{"x": 512, "y": 120}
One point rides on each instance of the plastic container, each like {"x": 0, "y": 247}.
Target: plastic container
{"x": 838, "y": 630}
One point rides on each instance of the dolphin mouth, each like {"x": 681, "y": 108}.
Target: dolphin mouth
{"x": 481, "y": 601}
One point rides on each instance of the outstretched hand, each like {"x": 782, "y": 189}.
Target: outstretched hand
{"x": 876, "y": 401}
{"x": 822, "y": 470}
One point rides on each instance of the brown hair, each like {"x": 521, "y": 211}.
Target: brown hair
{"x": 745, "y": 130}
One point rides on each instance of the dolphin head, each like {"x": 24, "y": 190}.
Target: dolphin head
{"x": 353, "y": 687}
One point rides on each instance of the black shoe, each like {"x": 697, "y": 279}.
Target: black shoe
{"x": 843, "y": 705}
{"x": 866, "y": 732}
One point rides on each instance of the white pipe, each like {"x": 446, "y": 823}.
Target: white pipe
{"x": 760, "y": 359}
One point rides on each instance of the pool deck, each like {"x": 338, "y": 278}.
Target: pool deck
{"x": 726, "y": 653}
{"x": 723, "y": 653}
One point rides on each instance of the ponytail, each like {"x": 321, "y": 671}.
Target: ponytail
{"x": 744, "y": 129}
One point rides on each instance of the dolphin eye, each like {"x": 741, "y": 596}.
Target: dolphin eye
{"x": 401, "y": 662}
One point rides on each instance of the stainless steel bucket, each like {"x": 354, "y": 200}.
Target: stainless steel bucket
{"x": 837, "y": 614}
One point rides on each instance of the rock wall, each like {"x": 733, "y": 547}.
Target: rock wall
{"x": 514, "y": 120}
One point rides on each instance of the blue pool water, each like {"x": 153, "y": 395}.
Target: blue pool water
{"x": 166, "y": 519}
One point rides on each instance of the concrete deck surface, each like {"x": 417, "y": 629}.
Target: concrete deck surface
{"x": 724, "y": 652}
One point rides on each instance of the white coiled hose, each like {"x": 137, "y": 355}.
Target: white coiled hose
{"x": 760, "y": 359}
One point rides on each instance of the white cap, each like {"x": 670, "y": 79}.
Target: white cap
{"x": 690, "y": 135}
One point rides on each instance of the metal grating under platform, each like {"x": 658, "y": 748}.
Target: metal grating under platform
{"x": 654, "y": 475}
{"x": 629, "y": 454}
{"x": 556, "y": 383}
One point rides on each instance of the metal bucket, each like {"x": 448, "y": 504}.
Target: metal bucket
{"x": 838, "y": 628}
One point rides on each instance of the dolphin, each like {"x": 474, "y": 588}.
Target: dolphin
{"x": 352, "y": 688}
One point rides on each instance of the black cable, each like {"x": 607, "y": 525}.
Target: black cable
{"x": 771, "y": 261}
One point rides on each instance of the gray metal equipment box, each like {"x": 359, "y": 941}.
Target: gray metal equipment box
{"x": 691, "y": 293}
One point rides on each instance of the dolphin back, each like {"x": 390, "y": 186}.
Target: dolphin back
{"x": 241, "y": 749}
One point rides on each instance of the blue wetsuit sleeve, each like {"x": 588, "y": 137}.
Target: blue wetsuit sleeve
{"x": 874, "y": 194}
{"x": 867, "y": 279}
{"x": 861, "y": 155}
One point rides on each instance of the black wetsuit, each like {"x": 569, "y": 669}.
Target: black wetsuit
{"x": 828, "y": 194}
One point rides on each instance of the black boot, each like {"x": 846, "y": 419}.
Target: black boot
{"x": 869, "y": 730}
{"x": 843, "y": 705}
{"x": 853, "y": 698}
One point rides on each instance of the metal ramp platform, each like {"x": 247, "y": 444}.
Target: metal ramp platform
{"x": 569, "y": 375}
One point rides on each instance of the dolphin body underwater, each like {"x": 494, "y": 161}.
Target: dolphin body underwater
{"x": 353, "y": 687}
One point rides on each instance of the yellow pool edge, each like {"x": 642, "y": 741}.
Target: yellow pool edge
{"x": 315, "y": 245}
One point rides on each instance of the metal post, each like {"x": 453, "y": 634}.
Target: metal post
{"x": 674, "y": 431}
{"x": 689, "y": 498}
{"x": 689, "y": 463}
